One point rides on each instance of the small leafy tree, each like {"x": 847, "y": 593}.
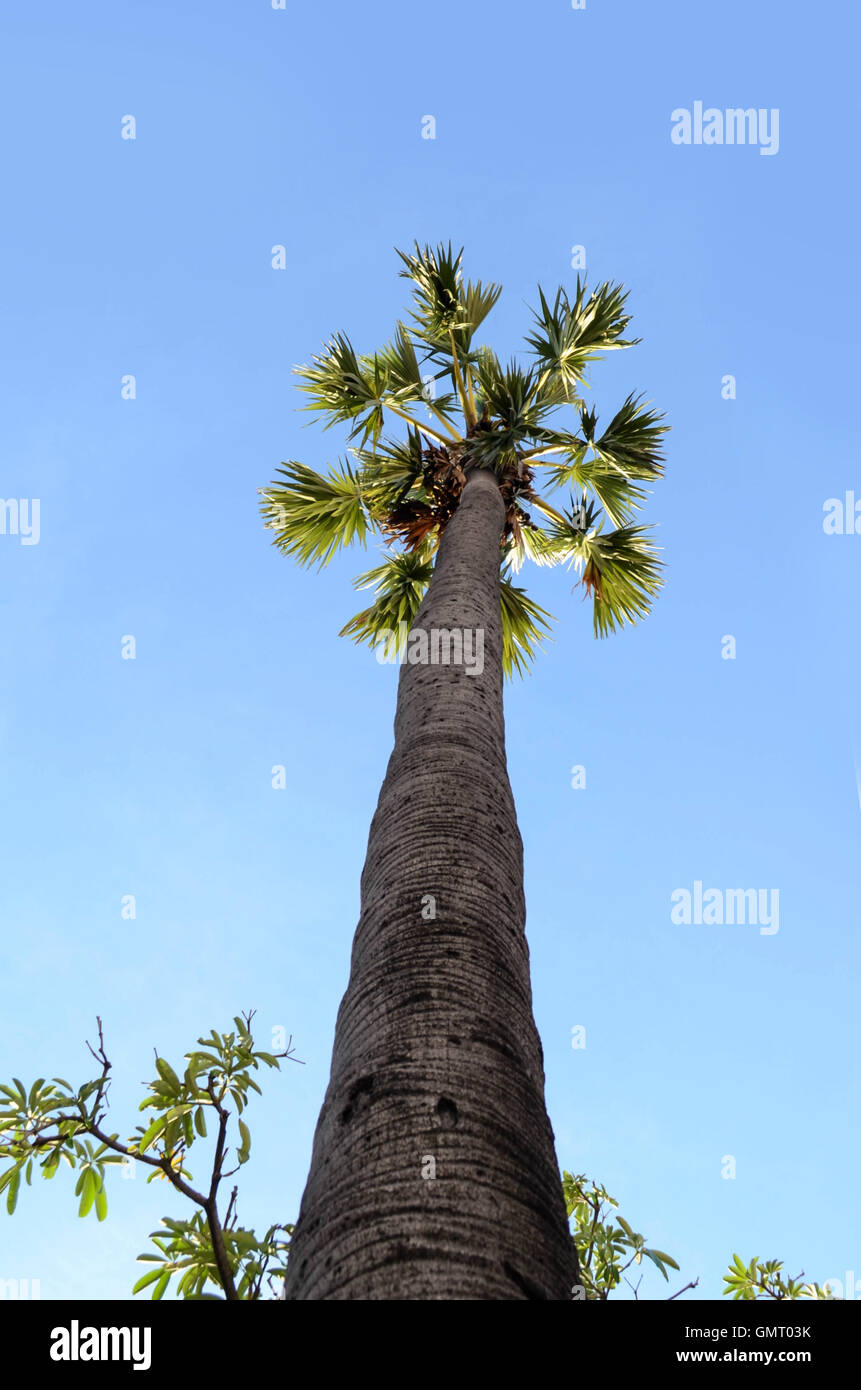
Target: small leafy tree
{"x": 52, "y": 1124}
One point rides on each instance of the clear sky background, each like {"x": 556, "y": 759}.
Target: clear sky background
{"x": 152, "y": 777}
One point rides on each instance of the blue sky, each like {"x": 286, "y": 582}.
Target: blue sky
{"x": 152, "y": 257}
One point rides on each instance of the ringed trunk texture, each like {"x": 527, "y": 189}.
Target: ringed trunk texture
{"x": 433, "y": 1173}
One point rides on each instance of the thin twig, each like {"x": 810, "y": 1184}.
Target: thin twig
{"x": 692, "y": 1285}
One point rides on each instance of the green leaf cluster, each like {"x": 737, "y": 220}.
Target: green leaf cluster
{"x": 763, "y": 1279}
{"x": 217, "y": 1072}
{"x": 185, "y": 1250}
{"x": 606, "y": 1247}
{"x": 43, "y": 1126}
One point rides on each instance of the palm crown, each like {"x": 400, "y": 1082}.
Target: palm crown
{"x": 488, "y": 415}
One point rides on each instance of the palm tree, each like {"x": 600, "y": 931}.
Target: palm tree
{"x": 433, "y": 1174}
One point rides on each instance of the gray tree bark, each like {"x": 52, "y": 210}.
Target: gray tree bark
{"x": 433, "y": 1173}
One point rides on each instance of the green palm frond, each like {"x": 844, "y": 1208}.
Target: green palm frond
{"x": 403, "y": 373}
{"x": 534, "y": 543}
{"x": 398, "y": 367}
{"x": 632, "y": 441}
{"x": 569, "y": 530}
{"x": 437, "y": 279}
{"x": 597, "y": 323}
{"x": 392, "y": 472}
{"x": 399, "y": 584}
{"x": 443, "y": 306}
{"x": 629, "y": 449}
{"x": 619, "y": 497}
{"x": 345, "y": 388}
{"x": 570, "y": 335}
{"x": 506, "y": 393}
{"x": 553, "y": 390}
{"x": 525, "y": 627}
{"x": 477, "y": 300}
{"x": 620, "y": 569}
{"x": 508, "y": 399}
{"x": 622, "y": 572}
{"x": 314, "y": 516}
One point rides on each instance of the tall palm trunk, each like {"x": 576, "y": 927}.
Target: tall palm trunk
{"x": 433, "y": 1173}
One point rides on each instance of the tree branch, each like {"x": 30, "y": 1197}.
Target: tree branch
{"x": 692, "y": 1285}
